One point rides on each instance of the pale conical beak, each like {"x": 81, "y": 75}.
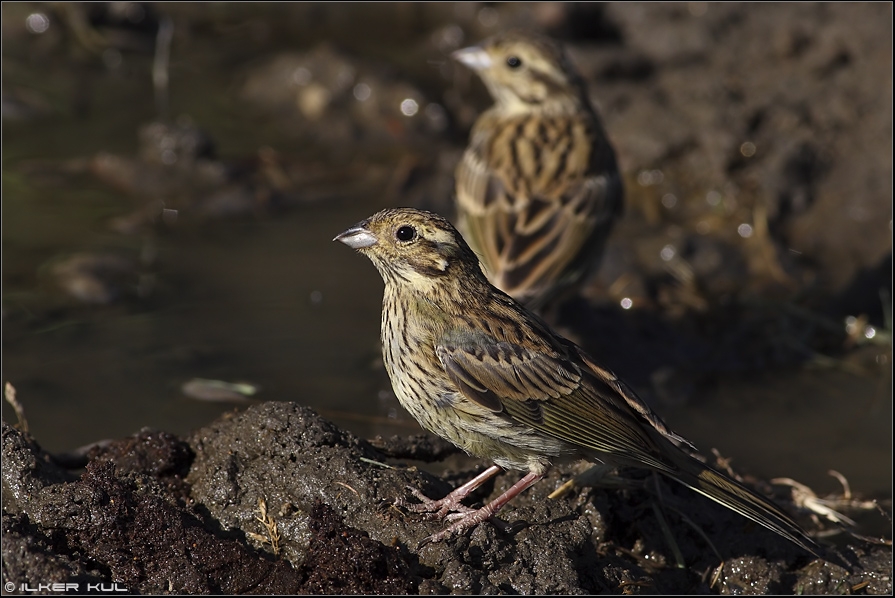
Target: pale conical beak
{"x": 357, "y": 237}
{"x": 474, "y": 57}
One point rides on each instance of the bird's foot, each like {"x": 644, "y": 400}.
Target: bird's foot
{"x": 448, "y": 507}
{"x": 472, "y": 518}
{"x": 466, "y": 521}
{"x": 439, "y": 509}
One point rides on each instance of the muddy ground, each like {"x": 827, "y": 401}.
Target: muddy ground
{"x": 275, "y": 499}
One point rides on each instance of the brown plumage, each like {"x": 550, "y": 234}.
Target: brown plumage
{"x": 538, "y": 188}
{"x": 475, "y": 367}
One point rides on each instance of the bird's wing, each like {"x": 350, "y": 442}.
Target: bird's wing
{"x": 633, "y": 401}
{"x": 536, "y": 219}
{"x": 597, "y": 413}
{"x": 556, "y": 396}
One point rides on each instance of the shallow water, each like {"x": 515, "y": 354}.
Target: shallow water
{"x": 271, "y": 300}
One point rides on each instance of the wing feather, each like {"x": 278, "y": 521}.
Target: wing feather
{"x": 534, "y": 231}
{"x": 556, "y": 396}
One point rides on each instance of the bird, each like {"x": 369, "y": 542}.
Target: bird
{"x": 538, "y": 187}
{"x": 475, "y": 367}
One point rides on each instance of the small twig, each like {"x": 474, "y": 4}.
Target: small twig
{"x": 860, "y": 586}
{"x": 669, "y": 537}
{"x": 349, "y": 487}
{"x": 699, "y": 531}
{"x": 270, "y": 525}
{"x": 378, "y": 463}
{"x": 689, "y": 522}
{"x": 846, "y": 488}
{"x": 805, "y": 498}
{"x": 666, "y": 529}
{"x": 598, "y": 475}
{"x": 10, "y": 394}
{"x": 716, "y": 576}
{"x": 562, "y": 490}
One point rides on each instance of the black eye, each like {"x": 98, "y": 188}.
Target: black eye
{"x": 405, "y": 233}
{"x": 514, "y": 62}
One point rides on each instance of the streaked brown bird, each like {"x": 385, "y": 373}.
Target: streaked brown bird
{"x": 475, "y": 367}
{"x": 538, "y": 187}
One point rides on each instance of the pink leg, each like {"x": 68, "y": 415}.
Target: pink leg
{"x": 473, "y": 518}
{"x": 451, "y": 502}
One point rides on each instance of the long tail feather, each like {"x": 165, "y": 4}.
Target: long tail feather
{"x": 740, "y": 499}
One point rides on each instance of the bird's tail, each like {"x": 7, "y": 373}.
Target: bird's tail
{"x": 740, "y": 499}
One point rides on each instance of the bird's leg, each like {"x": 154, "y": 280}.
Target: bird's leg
{"x": 473, "y": 518}
{"x": 451, "y": 502}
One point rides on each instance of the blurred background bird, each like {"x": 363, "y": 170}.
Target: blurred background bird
{"x": 538, "y": 187}
{"x": 478, "y": 369}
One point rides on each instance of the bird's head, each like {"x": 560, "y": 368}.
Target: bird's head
{"x": 524, "y": 72}
{"x": 414, "y": 247}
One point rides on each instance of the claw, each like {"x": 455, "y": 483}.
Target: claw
{"x": 436, "y": 509}
{"x": 451, "y": 502}
{"x": 466, "y": 521}
{"x": 471, "y": 518}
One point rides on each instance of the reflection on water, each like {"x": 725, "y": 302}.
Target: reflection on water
{"x": 269, "y": 299}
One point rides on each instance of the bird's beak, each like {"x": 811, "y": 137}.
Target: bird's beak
{"x": 474, "y": 57}
{"x": 357, "y": 237}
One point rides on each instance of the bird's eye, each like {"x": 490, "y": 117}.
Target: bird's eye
{"x": 405, "y": 233}
{"x": 514, "y": 62}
